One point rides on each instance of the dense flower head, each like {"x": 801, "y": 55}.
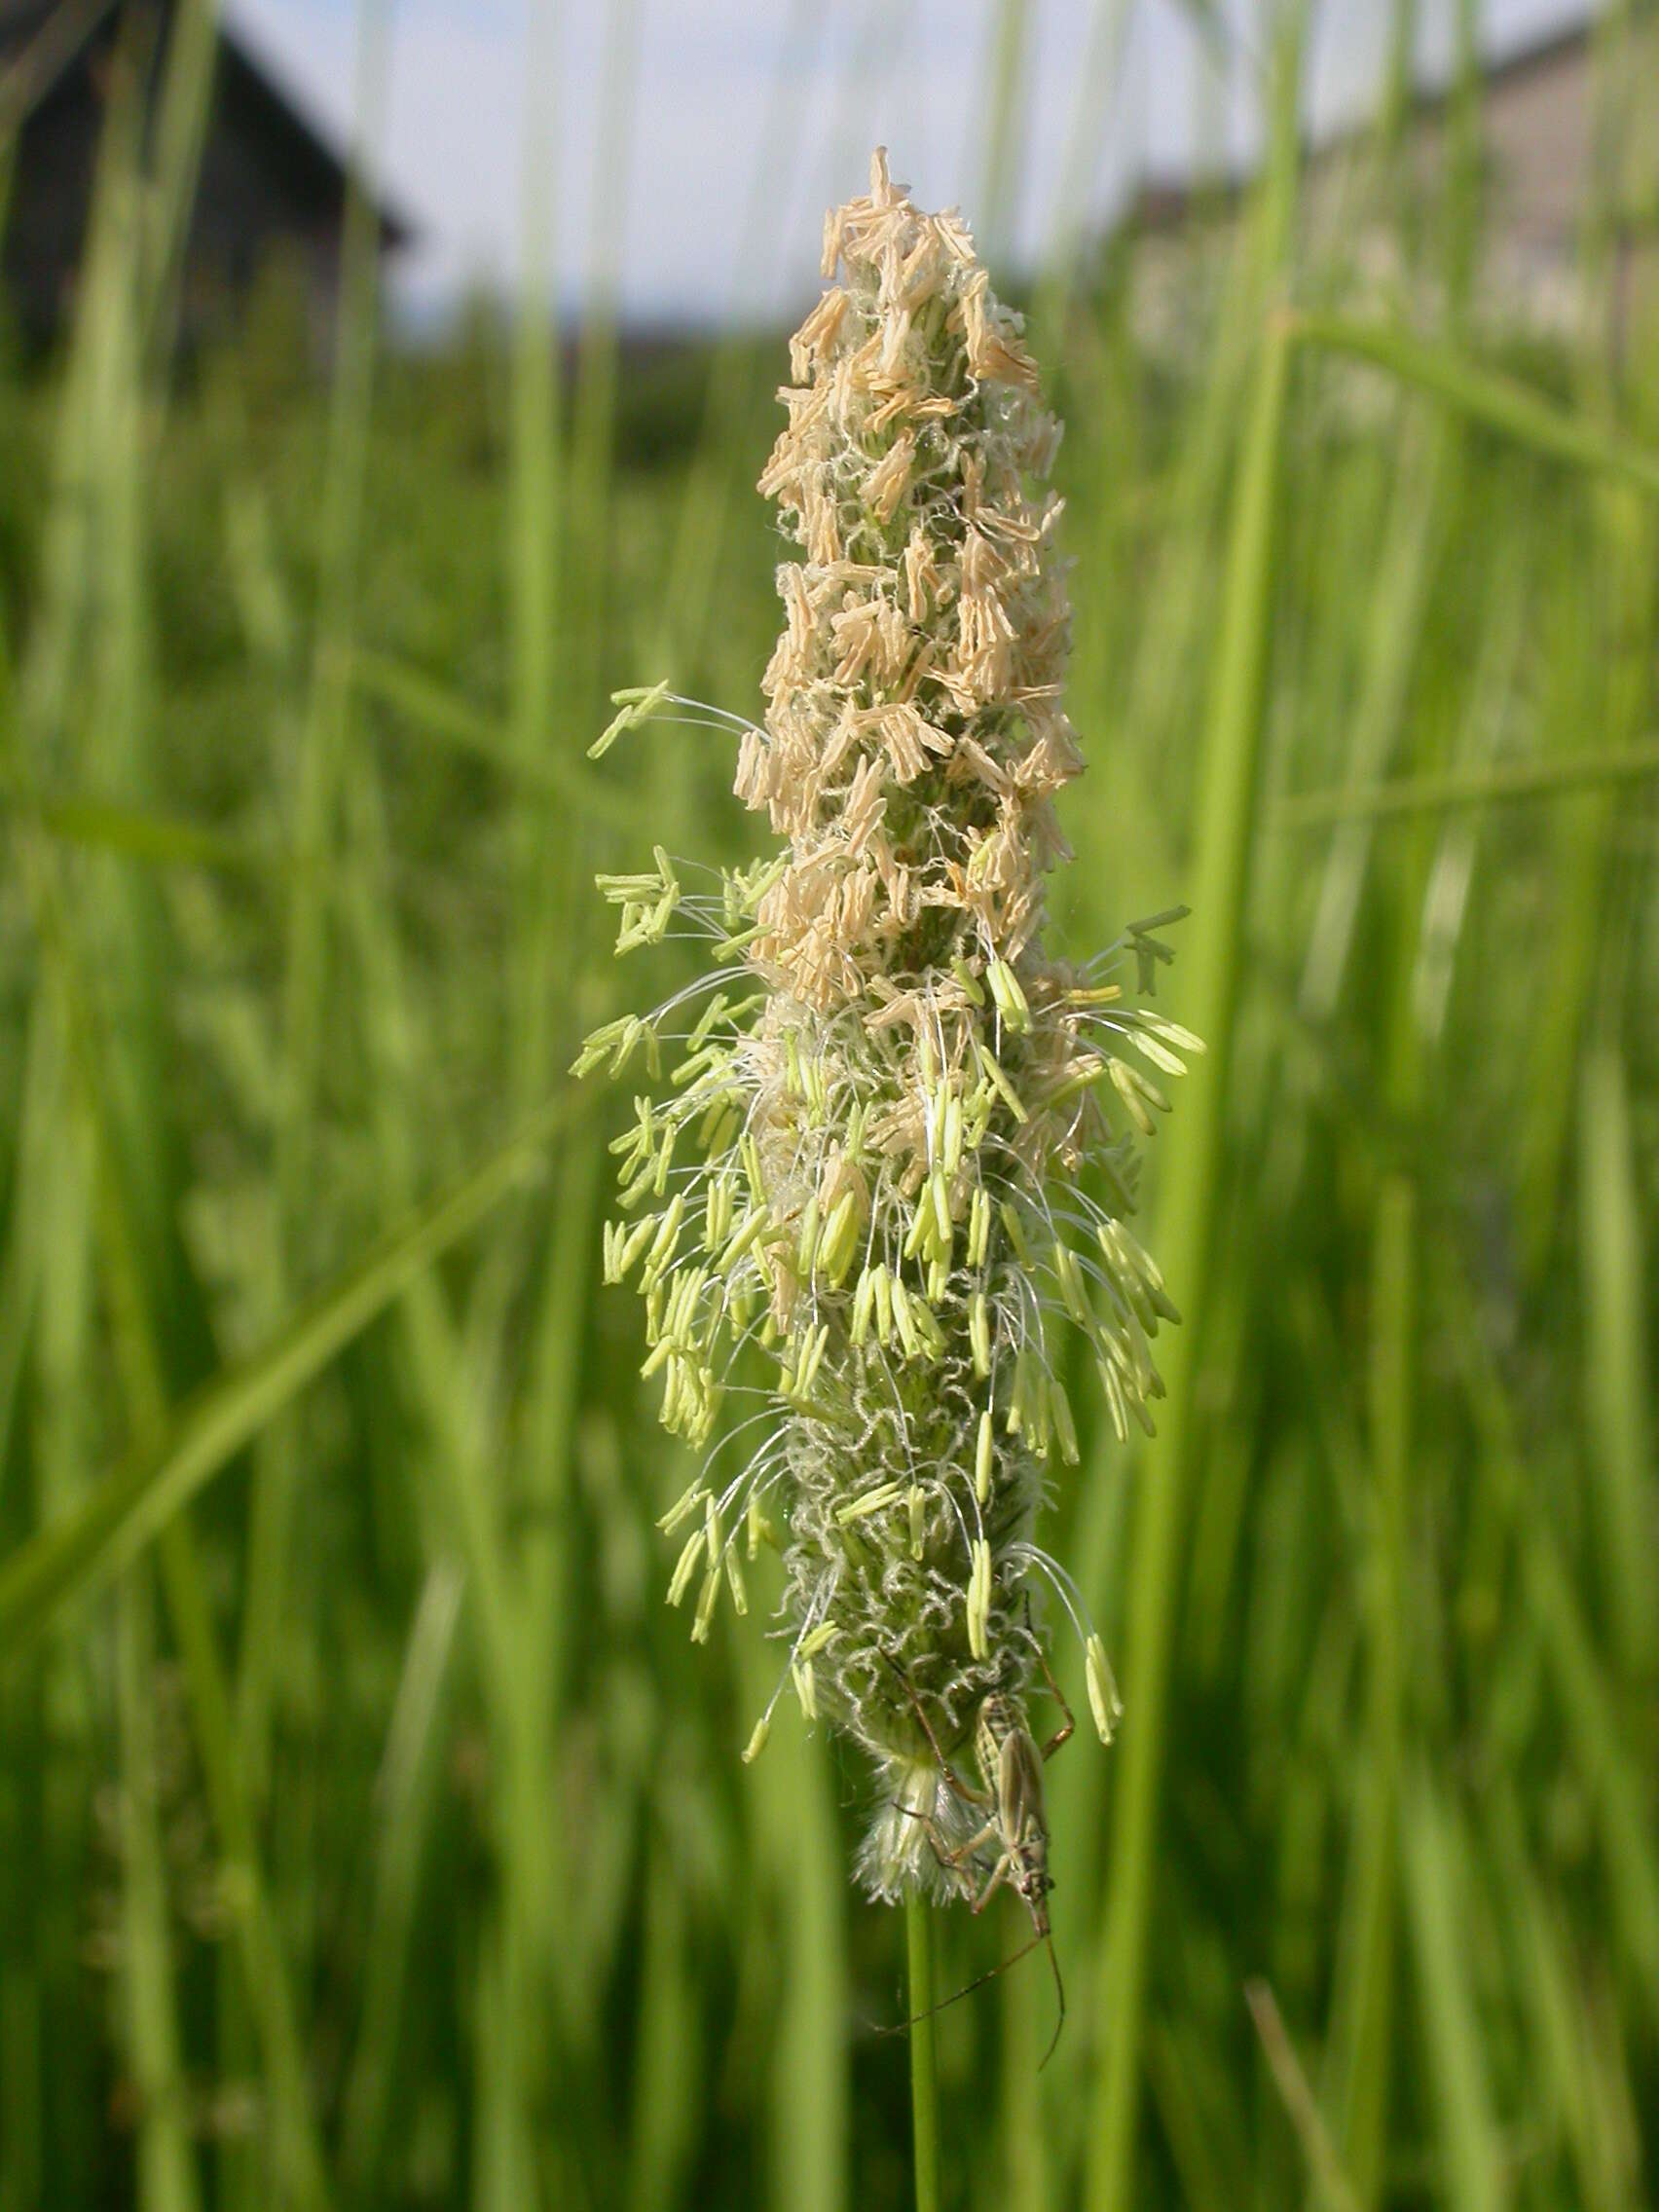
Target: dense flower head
{"x": 883, "y": 1160}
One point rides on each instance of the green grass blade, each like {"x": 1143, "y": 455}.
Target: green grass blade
{"x": 155, "y": 841}
{"x": 1498, "y": 402}
{"x": 1614, "y": 1265}
{"x": 67, "y": 1561}
{"x": 1186, "y": 1211}
{"x": 442, "y": 714}
{"x": 1508, "y": 781}
{"x": 1471, "y": 2155}
{"x": 405, "y": 1790}
{"x": 924, "y": 2063}
{"x": 316, "y": 801}
{"x": 168, "y": 2179}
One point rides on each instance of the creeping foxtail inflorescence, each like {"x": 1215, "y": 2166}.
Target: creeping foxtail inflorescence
{"x": 886, "y": 1156}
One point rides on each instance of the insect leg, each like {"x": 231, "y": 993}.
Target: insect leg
{"x": 1062, "y": 1734}
{"x": 964, "y": 1790}
{"x": 998, "y": 1875}
{"x": 987, "y": 1835}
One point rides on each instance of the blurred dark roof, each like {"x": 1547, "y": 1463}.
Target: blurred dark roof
{"x": 41, "y": 41}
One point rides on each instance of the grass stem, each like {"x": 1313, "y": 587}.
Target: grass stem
{"x": 924, "y": 2071}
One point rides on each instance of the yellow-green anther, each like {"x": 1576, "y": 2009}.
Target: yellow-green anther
{"x": 707, "y": 1599}
{"x": 708, "y": 1021}
{"x": 820, "y": 1639}
{"x": 1039, "y": 1420}
{"x": 734, "y": 1581}
{"x": 939, "y": 1280}
{"x": 659, "y": 1356}
{"x": 682, "y": 1508}
{"x": 806, "y": 1249}
{"x": 1103, "y": 1699}
{"x": 1137, "y": 1093}
{"x": 671, "y": 1136}
{"x": 979, "y": 1334}
{"x": 864, "y": 1306}
{"x": 806, "y": 1690}
{"x": 904, "y": 1319}
{"x": 750, "y": 1152}
{"x": 719, "y": 1128}
{"x": 1071, "y": 1283}
{"x": 757, "y": 1741}
{"x": 637, "y": 704}
{"x": 747, "y": 1231}
{"x": 1000, "y": 1084}
{"x": 982, "y": 1457}
{"x": 840, "y": 1239}
{"x": 638, "y": 1236}
{"x": 1011, "y": 1000}
{"x": 685, "y": 1304}
{"x": 921, "y": 1225}
{"x": 979, "y": 1226}
{"x": 979, "y": 1598}
{"x": 685, "y": 1566}
{"x": 969, "y": 982}
{"x": 883, "y": 1303}
{"x": 812, "y": 1353}
{"x": 667, "y": 1236}
{"x": 1065, "y": 1429}
{"x": 1016, "y": 1232}
{"x": 953, "y": 1125}
{"x": 872, "y": 1502}
{"x": 939, "y": 1184}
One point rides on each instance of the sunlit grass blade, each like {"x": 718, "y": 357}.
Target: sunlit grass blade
{"x": 1188, "y": 1200}
{"x": 1498, "y": 402}
{"x": 1507, "y": 781}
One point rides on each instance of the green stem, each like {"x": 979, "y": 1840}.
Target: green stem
{"x": 924, "y": 2074}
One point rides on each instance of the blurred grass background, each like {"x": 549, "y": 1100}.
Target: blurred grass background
{"x": 369, "y": 1833}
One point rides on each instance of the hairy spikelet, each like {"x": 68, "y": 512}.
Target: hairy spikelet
{"x": 882, "y": 1158}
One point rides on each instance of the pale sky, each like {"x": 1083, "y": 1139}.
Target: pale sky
{"x": 740, "y": 121}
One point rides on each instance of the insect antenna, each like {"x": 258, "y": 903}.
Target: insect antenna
{"x": 1060, "y": 1994}
{"x": 899, "y": 2027}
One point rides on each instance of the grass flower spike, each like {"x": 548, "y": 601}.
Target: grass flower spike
{"x": 894, "y": 1149}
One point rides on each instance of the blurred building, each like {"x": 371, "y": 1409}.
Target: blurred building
{"x": 1549, "y": 166}
{"x": 270, "y": 181}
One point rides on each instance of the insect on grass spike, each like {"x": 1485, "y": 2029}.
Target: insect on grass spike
{"x": 903, "y": 1037}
